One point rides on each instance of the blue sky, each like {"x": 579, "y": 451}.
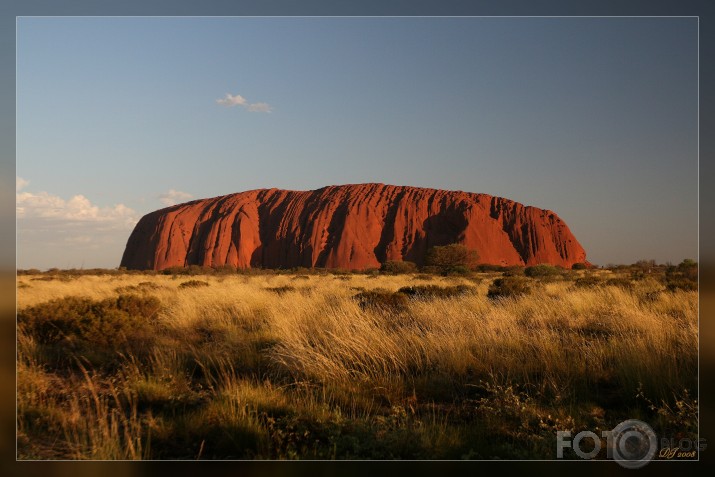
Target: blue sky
{"x": 593, "y": 118}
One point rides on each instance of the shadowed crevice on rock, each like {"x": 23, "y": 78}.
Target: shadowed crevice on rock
{"x": 388, "y": 229}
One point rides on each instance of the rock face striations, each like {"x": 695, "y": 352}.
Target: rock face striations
{"x": 350, "y": 226}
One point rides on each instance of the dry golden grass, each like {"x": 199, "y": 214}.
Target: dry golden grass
{"x": 281, "y": 366}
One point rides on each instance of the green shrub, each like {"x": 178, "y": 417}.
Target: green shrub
{"x": 682, "y": 277}
{"x": 541, "y": 270}
{"x": 397, "y": 267}
{"x": 194, "y": 284}
{"x": 454, "y": 258}
{"x": 579, "y": 266}
{"x": 688, "y": 269}
{"x": 511, "y": 286}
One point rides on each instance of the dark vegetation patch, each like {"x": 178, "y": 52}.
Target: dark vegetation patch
{"x": 435, "y": 291}
{"x": 194, "y": 284}
{"x": 510, "y": 287}
{"x": 541, "y": 271}
{"x": 74, "y": 327}
{"x": 620, "y": 282}
{"x": 142, "y": 287}
{"x": 398, "y": 267}
{"x": 682, "y": 277}
{"x": 44, "y": 278}
{"x": 382, "y": 300}
{"x": 588, "y": 281}
{"x": 281, "y": 290}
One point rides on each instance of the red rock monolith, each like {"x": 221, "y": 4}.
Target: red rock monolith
{"x": 349, "y": 226}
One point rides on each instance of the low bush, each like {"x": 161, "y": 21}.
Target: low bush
{"x": 486, "y": 267}
{"x": 281, "y": 290}
{"x": 434, "y": 291}
{"x": 95, "y": 330}
{"x": 382, "y": 300}
{"x": 339, "y": 271}
{"x": 682, "y": 277}
{"x": 511, "y": 286}
{"x": 513, "y": 272}
{"x": 588, "y": 281}
{"x": 30, "y": 271}
{"x": 620, "y": 282}
{"x": 681, "y": 283}
{"x": 541, "y": 271}
{"x": 459, "y": 270}
{"x": 190, "y": 270}
{"x": 138, "y": 288}
{"x": 194, "y": 284}
{"x": 398, "y": 267}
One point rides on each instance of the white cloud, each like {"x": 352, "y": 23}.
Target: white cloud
{"x": 231, "y": 100}
{"x": 20, "y": 183}
{"x": 46, "y": 206}
{"x": 56, "y": 232}
{"x": 173, "y": 197}
{"x": 260, "y": 108}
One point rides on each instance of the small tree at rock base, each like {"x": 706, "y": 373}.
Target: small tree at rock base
{"x": 396, "y": 267}
{"x": 453, "y": 257}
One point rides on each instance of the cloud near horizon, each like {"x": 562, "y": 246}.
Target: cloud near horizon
{"x": 231, "y": 100}
{"x": 68, "y": 230}
{"x": 43, "y": 205}
{"x": 173, "y": 197}
{"x": 20, "y": 183}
